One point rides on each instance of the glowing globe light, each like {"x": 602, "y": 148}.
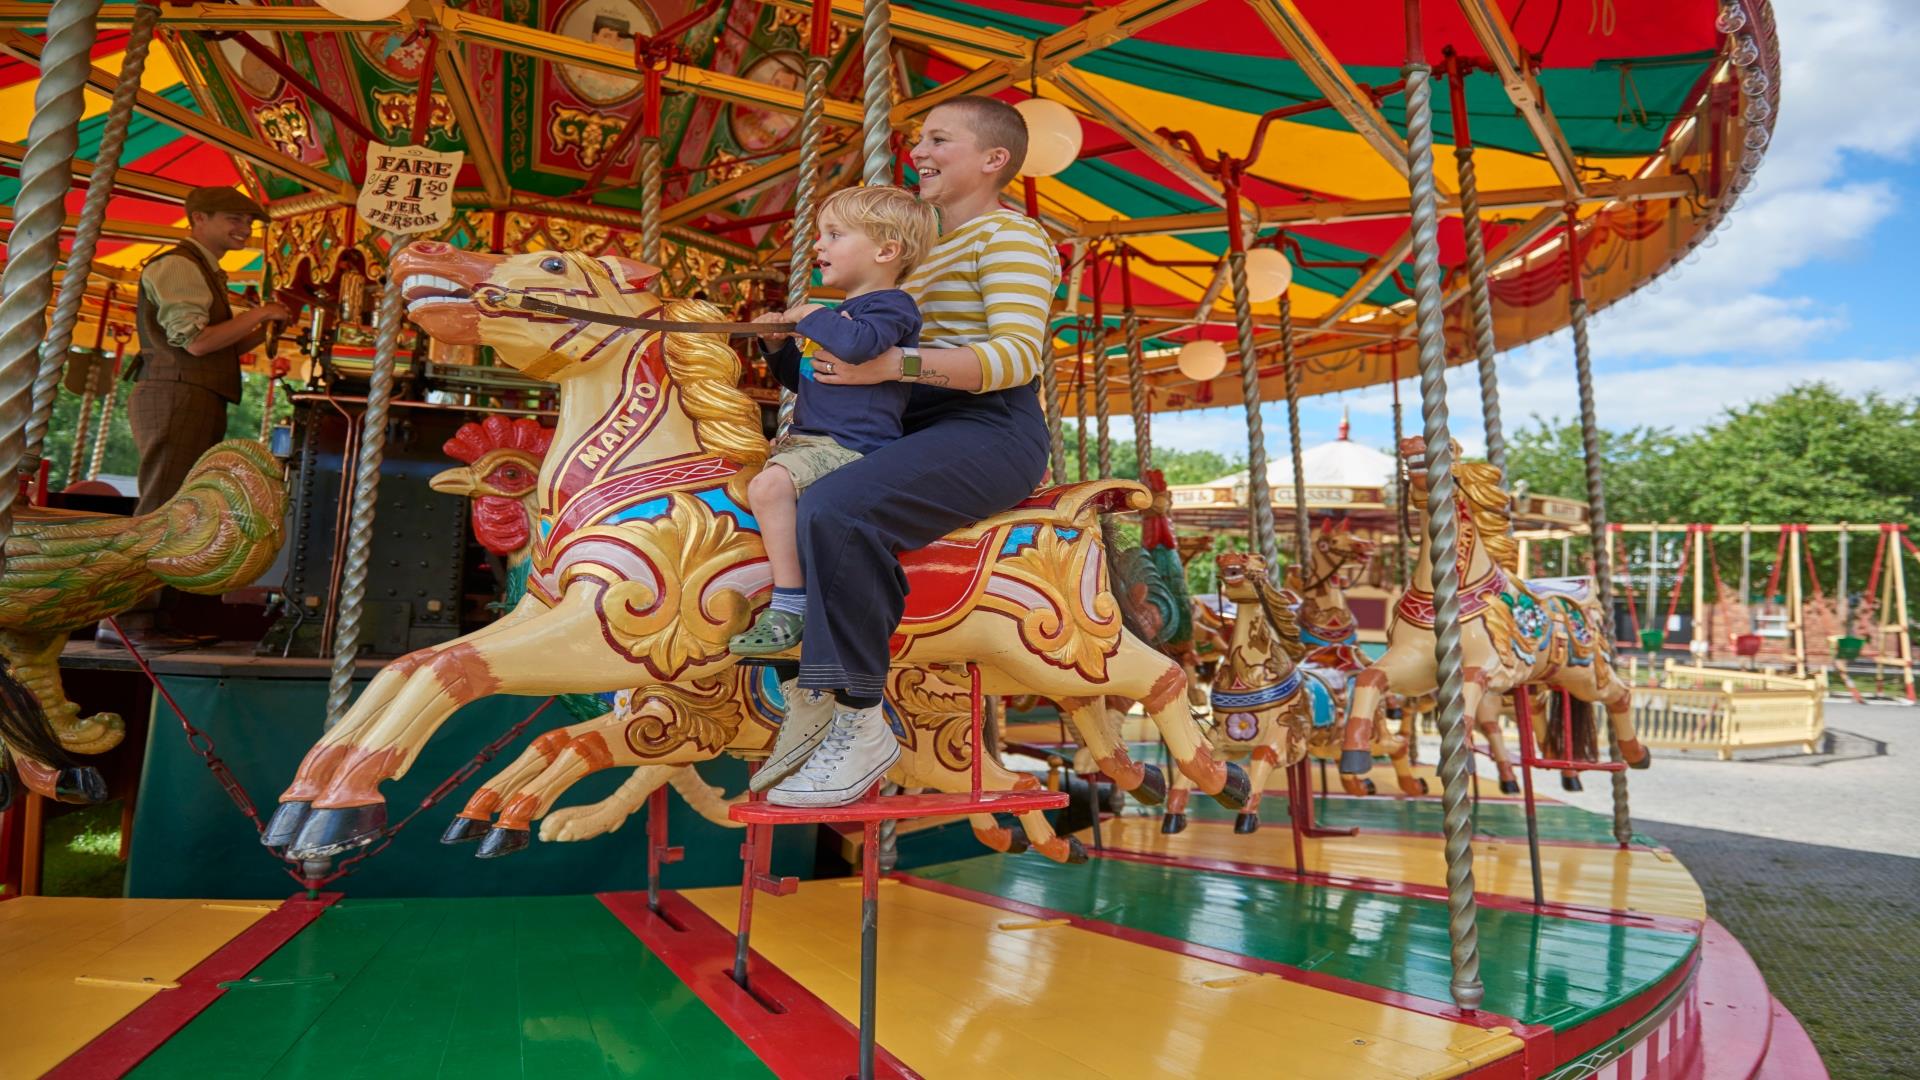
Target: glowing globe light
{"x": 364, "y": 9}
{"x": 1203, "y": 361}
{"x": 1053, "y": 137}
{"x": 1268, "y": 275}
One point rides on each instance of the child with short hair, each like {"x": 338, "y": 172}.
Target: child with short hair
{"x": 871, "y": 239}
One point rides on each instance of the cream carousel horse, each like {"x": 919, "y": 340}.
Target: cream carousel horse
{"x": 646, "y": 561}
{"x": 1512, "y": 633}
{"x": 1332, "y": 638}
{"x": 1258, "y": 707}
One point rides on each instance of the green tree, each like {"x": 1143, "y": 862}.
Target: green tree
{"x": 122, "y": 459}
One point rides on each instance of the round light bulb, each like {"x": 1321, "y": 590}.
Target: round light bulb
{"x": 364, "y": 9}
{"x": 1268, "y": 275}
{"x": 1746, "y": 52}
{"x": 1053, "y": 137}
{"x": 1202, "y": 361}
{"x": 1731, "y": 20}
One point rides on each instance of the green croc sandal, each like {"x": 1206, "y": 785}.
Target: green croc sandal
{"x": 773, "y": 632}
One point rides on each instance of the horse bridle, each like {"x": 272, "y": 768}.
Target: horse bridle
{"x": 639, "y": 322}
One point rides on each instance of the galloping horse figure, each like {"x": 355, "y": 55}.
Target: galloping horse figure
{"x": 1258, "y": 707}
{"x": 1512, "y": 632}
{"x": 1333, "y": 657}
{"x": 646, "y": 562}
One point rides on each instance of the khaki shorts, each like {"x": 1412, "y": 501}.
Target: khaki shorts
{"x": 809, "y": 457}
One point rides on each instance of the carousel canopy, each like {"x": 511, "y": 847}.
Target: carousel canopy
{"x": 1644, "y": 123}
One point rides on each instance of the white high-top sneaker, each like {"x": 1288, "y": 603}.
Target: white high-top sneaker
{"x": 809, "y": 712}
{"x": 858, "y": 750}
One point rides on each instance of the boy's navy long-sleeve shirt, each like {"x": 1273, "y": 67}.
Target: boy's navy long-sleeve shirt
{"x": 860, "y": 418}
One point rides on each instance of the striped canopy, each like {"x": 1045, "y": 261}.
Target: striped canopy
{"x": 1643, "y": 119}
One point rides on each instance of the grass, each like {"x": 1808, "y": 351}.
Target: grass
{"x": 83, "y": 853}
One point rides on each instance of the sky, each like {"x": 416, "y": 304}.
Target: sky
{"x": 1808, "y": 278}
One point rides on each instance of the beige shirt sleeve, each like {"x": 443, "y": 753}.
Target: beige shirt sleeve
{"x": 180, "y": 298}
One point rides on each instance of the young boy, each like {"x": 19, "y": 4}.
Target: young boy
{"x": 870, "y": 239}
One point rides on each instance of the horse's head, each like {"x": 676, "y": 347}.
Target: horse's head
{"x": 1338, "y": 554}
{"x": 502, "y": 465}
{"x": 1240, "y": 575}
{"x": 474, "y": 298}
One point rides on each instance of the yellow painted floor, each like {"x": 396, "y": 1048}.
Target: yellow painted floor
{"x": 972, "y": 991}
{"x": 73, "y": 967}
{"x": 1638, "y": 880}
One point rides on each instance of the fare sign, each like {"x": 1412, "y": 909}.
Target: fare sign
{"x": 409, "y": 189}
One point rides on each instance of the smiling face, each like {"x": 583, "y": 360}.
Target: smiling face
{"x": 473, "y": 298}
{"x": 951, "y": 160}
{"x": 850, "y": 260}
{"x": 222, "y": 232}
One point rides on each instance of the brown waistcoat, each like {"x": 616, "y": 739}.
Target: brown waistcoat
{"x": 163, "y": 362}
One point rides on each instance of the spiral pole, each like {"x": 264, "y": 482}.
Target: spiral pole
{"x": 1080, "y": 411}
{"x": 1138, "y": 395}
{"x": 1401, "y": 510}
{"x": 1301, "y": 533}
{"x": 806, "y": 186}
{"x": 1053, "y": 401}
{"x": 81, "y": 423}
{"x": 1259, "y": 497}
{"x": 651, "y": 173}
{"x": 106, "y": 422}
{"x": 876, "y": 49}
{"x": 86, "y": 232}
{"x": 1596, "y": 500}
{"x": 366, "y": 491}
{"x": 1103, "y": 407}
{"x": 1480, "y": 300}
{"x": 1443, "y": 538}
{"x": 26, "y": 284}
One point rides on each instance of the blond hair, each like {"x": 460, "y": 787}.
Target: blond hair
{"x": 888, "y": 215}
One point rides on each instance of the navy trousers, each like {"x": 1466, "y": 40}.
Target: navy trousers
{"x": 964, "y": 457}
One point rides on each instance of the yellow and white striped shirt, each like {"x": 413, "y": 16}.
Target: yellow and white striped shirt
{"x": 988, "y": 286}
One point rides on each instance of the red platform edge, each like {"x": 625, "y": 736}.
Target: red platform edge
{"x": 897, "y": 807}
{"x": 807, "y": 1038}
{"x": 115, "y": 1051}
{"x": 1745, "y": 1033}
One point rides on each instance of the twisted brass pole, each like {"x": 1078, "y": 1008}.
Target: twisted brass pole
{"x": 651, "y": 175}
{"x": 86, "y": 231}
{"x": 1138, "y": 397}
{"x": 1259, "y": 497}
{"x": 1596, "y": 496}
{"x": 76, "y": 457}
{"x": 806, "y": 184}
{"x": 1302, "y": 553}
{"x": 1054, "y": 388}
{"x": 1103, "y": 406}
{"x": 1479, "y": 298}
{"x": 39, "y": 209}
{"x": 876, "y": 45}
{"x": 366, "y": 491}
{"x": 1442, "y": 535}
{"x": 106, "y": 419}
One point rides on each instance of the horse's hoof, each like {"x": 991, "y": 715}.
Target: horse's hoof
{"x": 501, "y": 841}
{"x": 1244, "y": 823}
{"x": 1237, "y": 791}
{"x": 1509, "y": 787}
{"x": 332, "y": 831}
{"x": 1356, "y": 762}
{"x": 1170, "y": 824}
{"x": 285, "y": 823}
{"x": 81, "y": 784}
{"x": 1355, "y": 785}
{"x": 1076, "y": 851}
{"x": 1369, "y": 786}
{"x": 463, "y": 830}
{"x": 1571, "y": 783}
{"x": 1017, "y": 841}
{"x": 1645, "y": 762}
{"x": 1425, "y": 788}
{"x": 1153, "y": 786}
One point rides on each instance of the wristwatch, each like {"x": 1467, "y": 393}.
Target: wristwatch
{"x": 909, "y": 364}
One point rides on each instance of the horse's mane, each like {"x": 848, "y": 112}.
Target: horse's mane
{"x": 706, "y": 372}
{"x": 1281, "y": 616}
{"x": 1477, "y": 483}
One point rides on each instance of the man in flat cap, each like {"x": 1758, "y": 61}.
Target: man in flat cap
{"x": 191, "y": 342}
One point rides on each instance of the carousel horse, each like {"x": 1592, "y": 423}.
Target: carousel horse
{"x": 645, "y": 560}
{"x": 65, "y": 570}
{"x": 1512, "y": 633}
{"x": 1259, "y": 708}
{"x": 1332, "y": 635}
{"x": 503, "y": 460}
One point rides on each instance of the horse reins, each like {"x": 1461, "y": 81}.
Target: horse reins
{"x": 638, "y": 322}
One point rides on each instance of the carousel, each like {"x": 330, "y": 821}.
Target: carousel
{"x": 473, "y": 591}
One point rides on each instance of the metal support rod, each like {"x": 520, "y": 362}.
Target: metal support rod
{"x": 876, "y": 49}
{"x": 869, "y": 941}
{"x": 39, "y": 211}
{"x": 1596, "y": 492}
{"x": 86, "y": 231}
{"x": 1138, "y": 394}
{"x": 1259, "y": 498}
{"x": 366, "y": 491}
{"x": 1442, "y": 527}
{"x": 1479, "y": 298}
{"x": 1302, "y": 551}
{"x": 650, "y": 188}
{"x": 1523, "y": 719}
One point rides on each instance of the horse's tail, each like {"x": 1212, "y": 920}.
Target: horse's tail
{"x": 24, "y": 726}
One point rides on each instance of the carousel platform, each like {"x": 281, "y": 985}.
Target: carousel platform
{"x": 1196, "y": 954}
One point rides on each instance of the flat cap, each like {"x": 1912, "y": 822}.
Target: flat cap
{"x": 223, "y": 200}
